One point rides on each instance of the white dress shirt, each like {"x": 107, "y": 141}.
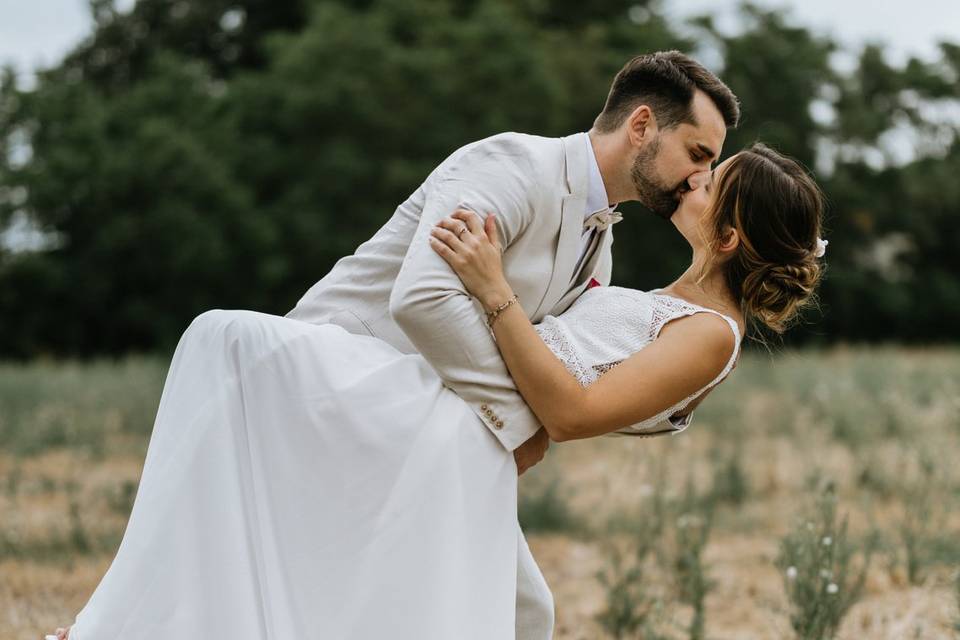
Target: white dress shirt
{"x": 596, "y": 201}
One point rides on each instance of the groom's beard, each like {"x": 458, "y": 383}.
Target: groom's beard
{"x": 651, "y": 192}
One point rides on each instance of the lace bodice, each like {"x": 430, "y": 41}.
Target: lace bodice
{"x": 607, "y": 325}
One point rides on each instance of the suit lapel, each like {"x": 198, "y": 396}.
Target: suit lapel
{"x": 572, "y": 208}
{"x": 589, "y": 270}
{"x": 593, "y": 261}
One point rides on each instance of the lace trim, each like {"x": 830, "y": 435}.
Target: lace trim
{"x": 555, "y": 339}
{"x": 606, "y": 366}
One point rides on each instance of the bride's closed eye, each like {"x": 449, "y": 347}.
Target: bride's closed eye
{"x": 708, "y": 187}
{"x": 698, "y": 180}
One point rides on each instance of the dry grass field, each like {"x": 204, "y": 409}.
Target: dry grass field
{"x": 734, "y": 529}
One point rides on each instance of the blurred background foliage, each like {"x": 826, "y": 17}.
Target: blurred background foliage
{"x": 225, "y": 153}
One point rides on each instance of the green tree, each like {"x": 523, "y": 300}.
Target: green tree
{"x": 191, "y": 155}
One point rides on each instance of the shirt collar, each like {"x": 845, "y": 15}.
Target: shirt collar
{"x": 596, "y": 191}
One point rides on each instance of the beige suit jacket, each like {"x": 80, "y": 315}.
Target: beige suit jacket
{"x": 395, "y": 287}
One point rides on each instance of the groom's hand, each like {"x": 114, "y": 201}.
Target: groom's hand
{"x": 532, "y": 451}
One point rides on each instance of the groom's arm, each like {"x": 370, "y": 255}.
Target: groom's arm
{"x": 429, "y": 303}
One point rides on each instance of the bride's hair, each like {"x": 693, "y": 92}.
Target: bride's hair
{"x": 777, "y": 210}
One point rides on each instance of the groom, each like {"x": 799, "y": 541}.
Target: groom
{"x": 664, "y": 121}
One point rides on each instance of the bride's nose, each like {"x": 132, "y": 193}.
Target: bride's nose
{"x": 698, "y": 179}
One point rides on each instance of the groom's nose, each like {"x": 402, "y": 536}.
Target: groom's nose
{"x": 698, "y": 179}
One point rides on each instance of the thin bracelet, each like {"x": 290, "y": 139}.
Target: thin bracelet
{"x": 493, "y": 315}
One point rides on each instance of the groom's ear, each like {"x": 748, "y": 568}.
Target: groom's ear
{"x": 641, "y": 125}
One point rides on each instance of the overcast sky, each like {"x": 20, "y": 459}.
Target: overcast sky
{"x": 909, "y": 28}
{"x": 39, "y": 32}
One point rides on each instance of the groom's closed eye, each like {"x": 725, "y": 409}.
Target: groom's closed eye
{"x": 702, "y": 153}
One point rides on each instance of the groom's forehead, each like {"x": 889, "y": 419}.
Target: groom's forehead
{"x": 707, "y": 117}
{"x": 708, "y": 127}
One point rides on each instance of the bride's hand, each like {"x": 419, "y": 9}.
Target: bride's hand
{"x": 472, "y": 249}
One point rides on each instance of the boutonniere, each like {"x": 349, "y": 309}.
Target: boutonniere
{"x": 603, "y": 219}
{"x": 593, "y": 283}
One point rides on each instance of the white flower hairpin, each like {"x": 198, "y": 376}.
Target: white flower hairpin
{"x": 821, "y": 248}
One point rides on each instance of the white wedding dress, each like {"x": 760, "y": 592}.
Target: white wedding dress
{"x": 303, "y": 482}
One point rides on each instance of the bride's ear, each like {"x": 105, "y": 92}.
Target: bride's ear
{"x": 729, "y": 241}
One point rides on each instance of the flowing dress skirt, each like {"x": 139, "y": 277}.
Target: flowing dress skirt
{"x": 304, "y": 482}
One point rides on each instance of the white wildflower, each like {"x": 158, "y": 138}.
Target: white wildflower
{"x": 832, "y": 588}
{"x": 827, "y": 541}
{"x": 791, "y": 573}
{"x": 826, "y": 573}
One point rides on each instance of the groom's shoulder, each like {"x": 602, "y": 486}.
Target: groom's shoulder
{"x": 530, "y": 153}
{"x": 520, "y": 144}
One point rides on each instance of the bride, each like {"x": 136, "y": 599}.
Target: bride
{"x": 305, "y": 482}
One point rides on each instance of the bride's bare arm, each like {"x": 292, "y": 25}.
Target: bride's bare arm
{"x": 689, "y": 353}
{"x": 683, "y": 359}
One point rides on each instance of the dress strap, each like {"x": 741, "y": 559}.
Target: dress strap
{"x": 667, "y": 308}
{"x": 736, "y": 343}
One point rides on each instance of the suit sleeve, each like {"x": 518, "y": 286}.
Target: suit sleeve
{"x": 431, "y": 306}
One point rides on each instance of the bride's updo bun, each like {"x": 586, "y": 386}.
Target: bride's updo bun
{"x": 775, "y": 293}
{"x": 777, "y": 210}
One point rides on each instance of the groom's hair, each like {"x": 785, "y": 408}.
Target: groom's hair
{"x": 665, "y": 81}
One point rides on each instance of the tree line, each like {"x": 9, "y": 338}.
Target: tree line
{"x": 196, "y": 154}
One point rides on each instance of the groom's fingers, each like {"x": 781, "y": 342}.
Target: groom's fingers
{"x": 471, "y": 219}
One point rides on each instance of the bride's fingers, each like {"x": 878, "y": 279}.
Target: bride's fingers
{"x": 471, "y": 219}
{"x": 443, "y": 250}
{"x": 448, "y": 238}
{"x": 459, "y": 227}
{"x": 490, "y": 228}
